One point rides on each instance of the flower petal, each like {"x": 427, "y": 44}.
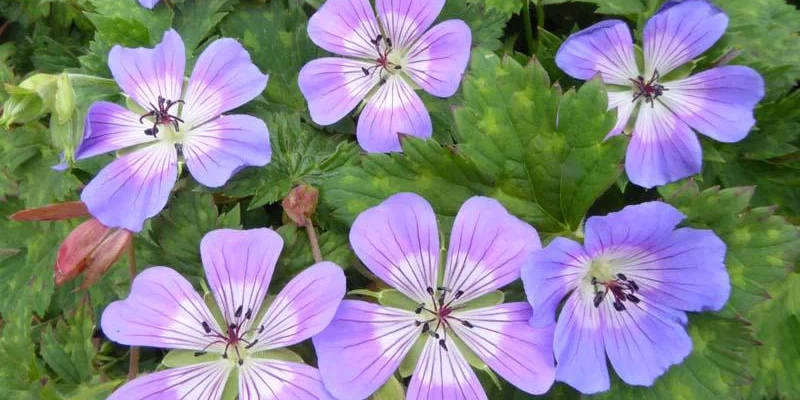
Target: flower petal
{"x": 487, "y": 248}
{"x": 148, "y": 3}
{"x": 303, "y": 308}
{"x": 261, "y": 379}
{"x": 345, "y": 27}
{"x": 194, "y": 382}
{"x": 406, "y": 20}
{"x": 110, "y": 127}
{"x": 622, "y": 101}
{"x": 221, "y": 147}
{"x": 549, "y": 274}
{"x": 679, "y": 32}
{"x": 684, "y": 270}
{"x": 162, "y": 310}
{"x": 438, "y": 59}
{"x": 444, "y": 375}
{"x": 333, "y": 87}
{"x": 578, "y": 346}
{"x": 663, "y": 149}
{"x": 398, "y": 240}
{"x": 223, "y": 78}
{"x": 362, "y": 347}
{"x": 503, "y": 339}
{"x": 138, "y": 183}
{"x": 643, "y": 341}
{"x": 395, "y": 109}
{"x": 719, "y": 102}
{"x": 145, "y": 74}
{"x": 605, "y": 48}
{"x": 634, "y": 225}
{"x": 239, "y": 266}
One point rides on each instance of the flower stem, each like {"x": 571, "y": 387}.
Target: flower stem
{"x": 533, "y": 46}
{"x": 312, "y": 238}
{"x": 133, "y": 365}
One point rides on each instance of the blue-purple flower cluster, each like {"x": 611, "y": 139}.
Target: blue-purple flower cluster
{"x": 620, "y": 296}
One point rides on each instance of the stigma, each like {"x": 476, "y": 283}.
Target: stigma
{"x": 161, "y": 116}
{"x": 233, "y": 336}
{"x": 649, "y": 90}
{"x": 622, "y": 288}
{"x": 439, "y": 314}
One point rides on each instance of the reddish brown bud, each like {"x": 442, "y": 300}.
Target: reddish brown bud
{"x": 90, "y": 247}
{"x": 301, "y": 203}
{"x": 52, "y": 212}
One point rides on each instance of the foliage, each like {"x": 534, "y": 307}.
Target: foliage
{"x": 518, "y": 130}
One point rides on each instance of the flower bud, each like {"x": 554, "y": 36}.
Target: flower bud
{"x": 301, "y": 203}
{"x": 52, "y": 212}
{"x": 91, "y": 247}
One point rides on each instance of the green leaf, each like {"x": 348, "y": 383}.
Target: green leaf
{"x": 613, "y": 7}
{"x": 297, "y": 256}
{"x": 68, "y": 350}
{"x": 504, "y": 6}
{"x": 195, "y": 19}
{"x": 522, "y": 142}
{"x": 766, "y": 32}
{"x": 276, "y": 37}
{"x": 127, "y": 23}
{"x": 20, "y": 370}
{"x": 761, "y": 247}
{"x": 486, "y": 25}
{"x": 299, "y": 155}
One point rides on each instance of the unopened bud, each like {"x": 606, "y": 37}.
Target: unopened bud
{"x": 301, "y": 203}
{"x": 91, "y": 247}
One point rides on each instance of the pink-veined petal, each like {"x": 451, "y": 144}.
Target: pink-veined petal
{"x": 549, "y": 274}
{"x": 145, "y": 74}
{"x": 605, "y": 48}
{"x": 487, "y": 248}
{"x": 223, "y": 78}
{"x": 438, "y": 59}
{"x": 502, "y": 337}
{"x": 345, "y": 27}
{"x": 111, "y": 127}
{"x": 622, "y": 102}
{"x": 204, "y": 381}
{"x": 362, "y": 347}
{"x": 578, "y": 346}
{"x": 444, "y": 375}
{"x": 133, "y": 187}
{"x": 398, "y": 240}
{"x": 263, "y": 379}
{"x": 395, "y": 109}
{"x": 717, "y": 103}
{"x": 219, "y": 148}
{"x": 643, "y": 341}
{"x": 239, "y": 266}
{"x": 162, "y": 310}
{"x": 406, "y": 20}
{"x": 303, "y": 308}
{"x": 679, "y": 32}
{"x": 334, "y": 87}
{"x": 663, "y": 148}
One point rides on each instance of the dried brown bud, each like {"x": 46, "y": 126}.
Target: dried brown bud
{"x": 301, "y": 203}
{"x": 52, "y": 212}
{"x": 91, "y": 247}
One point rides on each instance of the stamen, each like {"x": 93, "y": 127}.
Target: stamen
{"x": 443, "y": 344}
{"x": 619, "y": 306}
{"x": 248, "y": 314}
{"x": 199, "y": 353}
{"x": 467, "y": 324}
{"x": 253, "y": 343}
{"x": 238, "y": 312}
{"x": 206, "y": 327}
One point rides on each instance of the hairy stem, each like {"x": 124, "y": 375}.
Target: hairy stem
{"x": 133, "y": 365}
{"x": 312, "y": 238}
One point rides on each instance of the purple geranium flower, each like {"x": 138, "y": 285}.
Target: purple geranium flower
{"x": 717, "y": 103}
{"x": 398, "y": 241}
{"x": 631, "y": 283}
{"x": 393, "y": 53}
{"x": 163, "y": 310}
{"x": 136, "y": 185}
{"x": 148, "y": 3}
